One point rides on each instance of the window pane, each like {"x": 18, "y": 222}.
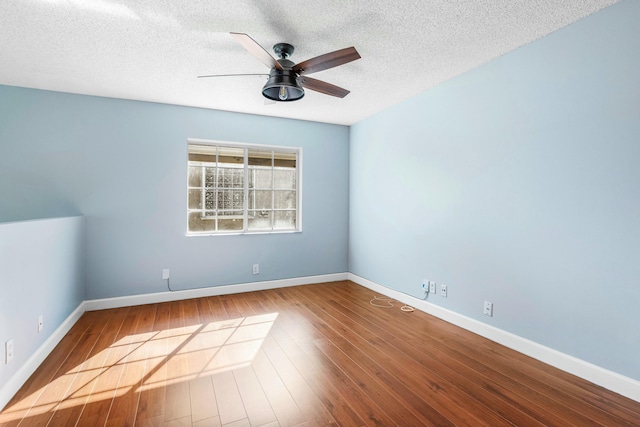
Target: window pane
{"x": 238, "y": 178}
{"x": 260, "y": 220}
{"x": 209, "y": 177}
{"x": 200, "y": 224}
{"x": 260, "y": 199}
{"x": 260, "y": 178}
{"x": 284, "y": 199}
{"x": 230, "y": 221}
{"x": 195, "y": 199}
{"x": 284, "y": 179}
{"x": 210, "y": 199}
{"x": 230, "y": 199}
{"x": 195, "y": 176}
{"x": 230, "y": 177}
{"x": 284, "y": 220}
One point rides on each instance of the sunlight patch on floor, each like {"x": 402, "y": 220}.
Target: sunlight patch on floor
{"x": 148, "y": 360}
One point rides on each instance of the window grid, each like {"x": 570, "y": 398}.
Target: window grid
{"x": 232, "y": 191}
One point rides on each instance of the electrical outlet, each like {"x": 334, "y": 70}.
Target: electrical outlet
{"x": 425, "y": 286}
{"x": 8, "y": 351}
{"x": 40, "y": 323}
{"x": 443, "y": 290}
{"x": 488, "y": 308}
{"x": 432, "y": 287}
{"x": 165, "y": 274}
{"x": 256, "y": 268}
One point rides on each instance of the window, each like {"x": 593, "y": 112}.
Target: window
{"x": 239, "y": 188}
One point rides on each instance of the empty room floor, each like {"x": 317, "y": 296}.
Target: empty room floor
{"x": 313, "y": 355}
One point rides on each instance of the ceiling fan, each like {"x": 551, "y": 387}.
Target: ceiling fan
{"x": 288, "y": 80}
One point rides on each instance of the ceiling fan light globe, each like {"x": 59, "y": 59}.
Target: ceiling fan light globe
{"x": 282, "y": 86}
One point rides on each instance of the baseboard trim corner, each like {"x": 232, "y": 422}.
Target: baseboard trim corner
{"x": 610, "y": 380}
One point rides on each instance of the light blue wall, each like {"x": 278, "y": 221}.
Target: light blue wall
{"x": 41, "y": 273}
{"x": 122, "y": 164}
{"x": 518, "y": 183}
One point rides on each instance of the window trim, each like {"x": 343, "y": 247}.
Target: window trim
{"x": 246, "y": 189}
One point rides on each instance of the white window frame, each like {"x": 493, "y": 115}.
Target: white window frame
{"x": 245, "y": 208}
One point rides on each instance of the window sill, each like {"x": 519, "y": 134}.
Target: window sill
{"x": 248, "y": 233}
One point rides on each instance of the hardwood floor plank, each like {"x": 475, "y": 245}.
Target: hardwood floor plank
{"x": 288, "y": 326}
{"x": 346, "y": 387}
{"x": 230, "y": 405}
{"x": 157, "y": 421}
{"x": 203, "y": 399}
{"x": 336, "y": 404}
{"x": 209, "y": 422}
{"x": 89, "y": 401}
{"x": 177, "y": 401}
{"x": 314, "y": 355}
{"x": 151, "y": 388}
{"x": 228, "y": 306}
{"x": 122, "y": 412}
{"x": 240, "y": 423}
{"x": 393, "y": 404}
{"x": 309, "y": 404}
{"x": 282, "y": 403}
{"x": 201, "y": 391}
{"x": 217, "y": 309}
{"x": 255, "y": 401}
{"x": 179, "y": 422}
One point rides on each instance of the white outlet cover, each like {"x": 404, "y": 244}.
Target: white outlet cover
{"x": 432, "y": 287}
{"x": 488, "y": 308}
{"x": 443, "y": 291}
{"x": 8, "y": 346}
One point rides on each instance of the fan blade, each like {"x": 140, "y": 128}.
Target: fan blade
{"x": 328, "y": 60}
{"x": 256, "y": 50}
{"x": 232, "y": 75}
{"x": 323, "y": 87}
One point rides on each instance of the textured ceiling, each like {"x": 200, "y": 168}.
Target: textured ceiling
{"x": 152, "y": 50}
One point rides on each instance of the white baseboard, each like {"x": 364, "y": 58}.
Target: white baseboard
{"x": 610, "y": 380}
{"x": 12, "y": 386}
{"x": 101, "y": 304}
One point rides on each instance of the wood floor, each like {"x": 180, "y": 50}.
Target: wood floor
{"x": 316, "y": 355}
